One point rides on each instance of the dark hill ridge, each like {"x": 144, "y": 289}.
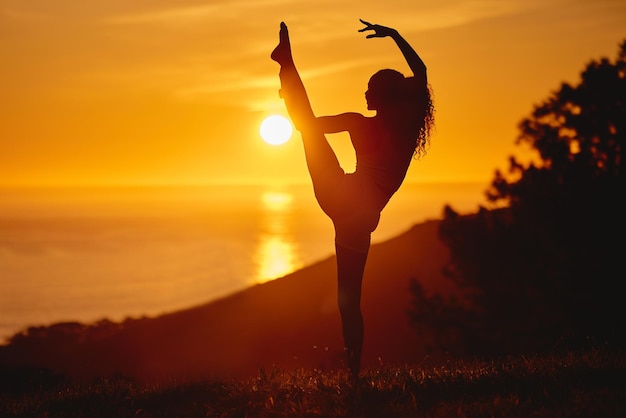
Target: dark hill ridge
{"x": 290, "y": 322}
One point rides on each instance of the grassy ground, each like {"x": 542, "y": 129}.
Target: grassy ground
{"x": 588, "y": 384}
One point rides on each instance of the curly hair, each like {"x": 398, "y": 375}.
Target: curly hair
{"x": 428, "y": 124}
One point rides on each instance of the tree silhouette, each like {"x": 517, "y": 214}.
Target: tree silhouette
{"x": 547, "y": 269}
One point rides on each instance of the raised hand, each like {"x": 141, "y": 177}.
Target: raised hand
{"x": 415, "y": 62}
{"x": 379, "y": 30}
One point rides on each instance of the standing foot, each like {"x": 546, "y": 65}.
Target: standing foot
{"x": 282, "y": 53}
{"x": 354, "y": 364}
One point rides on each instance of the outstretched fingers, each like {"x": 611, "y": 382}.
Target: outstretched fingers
{"x": 368, "y": 26}
{"x": 380, "y": 31}
{"x": 371, "y": 26}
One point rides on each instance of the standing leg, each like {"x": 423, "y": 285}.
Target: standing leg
{"x": 350, "y": 268}
{"x": 352, "y": 244}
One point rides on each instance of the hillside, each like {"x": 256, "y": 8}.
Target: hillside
{"x": 292, "y": 322}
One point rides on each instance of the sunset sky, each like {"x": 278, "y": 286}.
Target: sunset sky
{"x": 174, "y": 91}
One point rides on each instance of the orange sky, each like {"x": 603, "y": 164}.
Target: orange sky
{"x": 173, "y": 91}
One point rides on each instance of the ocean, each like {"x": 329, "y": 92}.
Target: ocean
{"x": 86, "y": 254}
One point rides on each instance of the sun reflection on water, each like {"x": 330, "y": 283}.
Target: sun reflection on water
{"x": 276, "y": 253}
{"x": 277, "y": 201}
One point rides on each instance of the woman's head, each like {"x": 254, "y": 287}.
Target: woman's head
{"x": 407, "y": 105}
{"x": 385, "y": 89}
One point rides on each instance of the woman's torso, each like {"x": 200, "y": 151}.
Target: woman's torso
{"x": 383, "y": 156}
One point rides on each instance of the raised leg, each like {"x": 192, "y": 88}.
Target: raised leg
{"x": 282, "y": 53}
{"x": 292, "y": 88}
{"x": 323, "y": 165}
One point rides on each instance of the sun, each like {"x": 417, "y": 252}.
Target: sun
{"x": 275, "y": 129}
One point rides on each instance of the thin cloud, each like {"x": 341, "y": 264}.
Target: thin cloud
{"x": 452, "y": 14}
{"x": 179, "y": 15}
{"x": 22, "y": 16}
{"x": 187, "y": 14}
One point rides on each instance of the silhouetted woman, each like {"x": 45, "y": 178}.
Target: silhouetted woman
{"x": 384, "y": 145}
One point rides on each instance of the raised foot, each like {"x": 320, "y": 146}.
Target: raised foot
{"x": 282, "y": 53}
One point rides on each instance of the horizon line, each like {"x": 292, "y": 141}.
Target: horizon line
{"x": 148, "y": 185}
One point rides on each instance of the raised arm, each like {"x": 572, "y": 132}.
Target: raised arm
{"x": 416, "y": 64}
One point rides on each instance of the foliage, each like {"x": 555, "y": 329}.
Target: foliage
{"x": 547, "y": 267}
{"x": 586, "y": 383}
